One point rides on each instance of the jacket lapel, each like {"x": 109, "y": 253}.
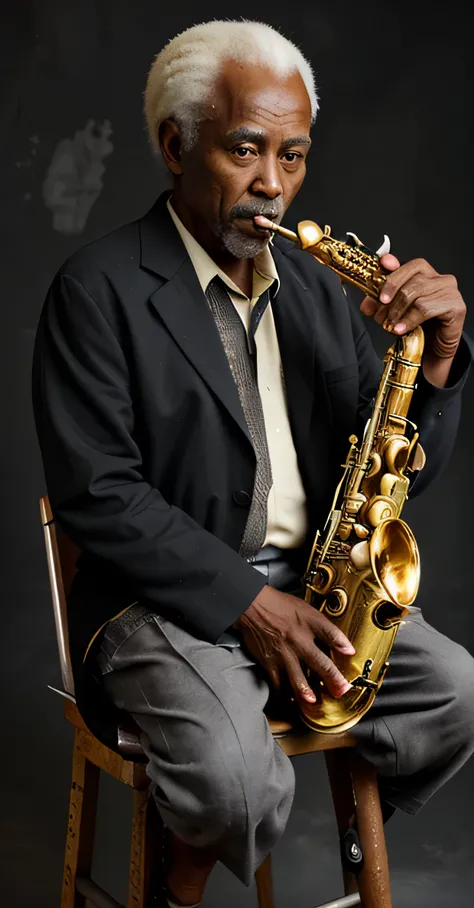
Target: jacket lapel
{"x": 182, "y": 306}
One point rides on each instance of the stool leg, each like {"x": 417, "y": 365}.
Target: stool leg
{"x": 141, "y": 846}
{"x": 81, "y": 827}
{"x": 145, "y": 847}
{"x": 338, "y": 770}
{"x": 264, "y": 881}
{"x": 374, "y": 878}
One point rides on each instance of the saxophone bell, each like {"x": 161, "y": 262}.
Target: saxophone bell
{"x": 395, "y": 561}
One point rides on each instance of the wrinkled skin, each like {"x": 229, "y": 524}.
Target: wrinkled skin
{"x": 415, "y": 294}
{"x": 250, "y": 159}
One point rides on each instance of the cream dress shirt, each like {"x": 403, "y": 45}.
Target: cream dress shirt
{"x": 286, "y": 517}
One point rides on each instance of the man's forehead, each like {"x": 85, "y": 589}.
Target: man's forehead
{"x": 256, "y": 94}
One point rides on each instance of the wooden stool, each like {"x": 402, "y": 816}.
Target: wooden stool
{"x": 353, "y": 784}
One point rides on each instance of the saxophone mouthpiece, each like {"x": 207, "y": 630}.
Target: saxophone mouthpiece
{"x": 266, "y": 224}
{"x": 262, "y": 221}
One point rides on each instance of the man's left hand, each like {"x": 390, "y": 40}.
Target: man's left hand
{"x": 415, "y": 294}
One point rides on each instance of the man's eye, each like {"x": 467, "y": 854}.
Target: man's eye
{"x": 243, "y": 152}
{"x": 291, "y": 156}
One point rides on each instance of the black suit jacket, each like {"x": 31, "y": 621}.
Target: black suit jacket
{"x": 144, "y": 444}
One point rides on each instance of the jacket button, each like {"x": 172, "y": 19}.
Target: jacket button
{"x": 242, "y": 498}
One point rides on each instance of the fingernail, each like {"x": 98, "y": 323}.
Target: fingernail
{"x": 346, "y": 688}
{"x": 309, "y": 697}
{"x": 384, "y": 298}
{"x": 347, "y": 650}
{"x": 400, "y": 328}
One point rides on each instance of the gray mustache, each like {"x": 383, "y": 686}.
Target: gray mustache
{"x": 271, "y": 210}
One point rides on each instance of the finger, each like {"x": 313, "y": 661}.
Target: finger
{"x": 413, "y": 289}
{"x": 397, "y": 278}
{"x": 381, "y": 315}
{"x": 415, "y": 316}
{"x": 389, "y": 261}
{"x": 297, "y": 677}
{"x": 325, "y": 668}
{"x": 328, "y": 632}
{"x": 427, "y": 307}
{"x": 273, "y": 670}
{"x": 369, "y": 306}
{"x": 376, "y": 311}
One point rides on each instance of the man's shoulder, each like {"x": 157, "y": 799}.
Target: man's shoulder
{"x": 109, "y": 256}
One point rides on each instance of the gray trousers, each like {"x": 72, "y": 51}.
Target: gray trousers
{"x": 219, "y": 778}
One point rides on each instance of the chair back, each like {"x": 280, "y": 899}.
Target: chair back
{"x": 61, "y": 556}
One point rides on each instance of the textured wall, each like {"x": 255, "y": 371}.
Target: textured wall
{"x": 390, "y": 155}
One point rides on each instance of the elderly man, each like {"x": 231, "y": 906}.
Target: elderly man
{"x": 194, "y": 390}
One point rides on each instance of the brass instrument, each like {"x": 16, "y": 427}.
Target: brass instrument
{"x": 364, "y": 567}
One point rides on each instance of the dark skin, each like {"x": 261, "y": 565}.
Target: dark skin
{"x": 223, "y": 169}
{"x": 252, "y": 146}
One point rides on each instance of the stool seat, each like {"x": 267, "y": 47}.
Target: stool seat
{"x": 293, "y": 740}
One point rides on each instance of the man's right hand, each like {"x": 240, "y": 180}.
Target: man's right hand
{"x": 279, "y": 630}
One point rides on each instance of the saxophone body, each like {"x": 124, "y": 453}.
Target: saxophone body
{"x": 364, "y": 569}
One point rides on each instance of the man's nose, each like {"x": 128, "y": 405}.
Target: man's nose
{"x": 267, "y": 182}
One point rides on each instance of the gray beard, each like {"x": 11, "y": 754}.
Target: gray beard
{"x": 240, "y": 246}
{"x": 235, "y": 242}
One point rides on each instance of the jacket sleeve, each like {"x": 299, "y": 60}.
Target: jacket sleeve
{"x": 435, "y": 411}
{"x": 93, "y": 469}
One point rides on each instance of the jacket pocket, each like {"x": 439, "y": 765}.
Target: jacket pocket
{"x": 342, "y": 373}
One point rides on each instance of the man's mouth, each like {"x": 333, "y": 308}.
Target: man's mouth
{"x": 248, "y": 212}
{"x": 251, "y": 220}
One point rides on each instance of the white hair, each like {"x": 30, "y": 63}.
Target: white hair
{"x": 184, "y": 72}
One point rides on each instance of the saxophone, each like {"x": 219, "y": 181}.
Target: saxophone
{"x": 364, "y": 567}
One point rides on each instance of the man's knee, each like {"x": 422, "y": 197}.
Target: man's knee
{"x": 430, "y": 722}
{"x": 456, "y": 680}
{"x": 444, "y": 726}
{"x": 226, "y": 792}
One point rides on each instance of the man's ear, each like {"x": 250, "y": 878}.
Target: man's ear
{"x": 169, "y": 138}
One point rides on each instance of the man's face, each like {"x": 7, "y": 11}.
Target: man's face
{"x": 249, "y": 158}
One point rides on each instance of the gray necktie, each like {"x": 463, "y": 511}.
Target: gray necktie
{"x": 244, "y": 370}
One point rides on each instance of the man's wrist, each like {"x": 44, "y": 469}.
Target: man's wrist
{"x": 242, "y": 620}
{"x": 436, "y": 368}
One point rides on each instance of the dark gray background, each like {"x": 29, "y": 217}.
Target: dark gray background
{"x": 391, "y": 154}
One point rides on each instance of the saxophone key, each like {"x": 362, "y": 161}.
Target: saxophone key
{"x": 380, "y": 508}
{"x": 360, "y": 555}
{"x": 361, "y": 531}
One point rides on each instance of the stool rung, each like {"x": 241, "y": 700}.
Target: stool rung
{"x": 95, "y": 894}
{"x": 345, "y": 901}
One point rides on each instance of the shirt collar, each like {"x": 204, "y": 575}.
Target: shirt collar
{"x": 264, "y": 276}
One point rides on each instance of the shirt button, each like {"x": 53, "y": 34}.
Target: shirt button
{"x": 440, "y": 412}
{"x": 242, "y": 498}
